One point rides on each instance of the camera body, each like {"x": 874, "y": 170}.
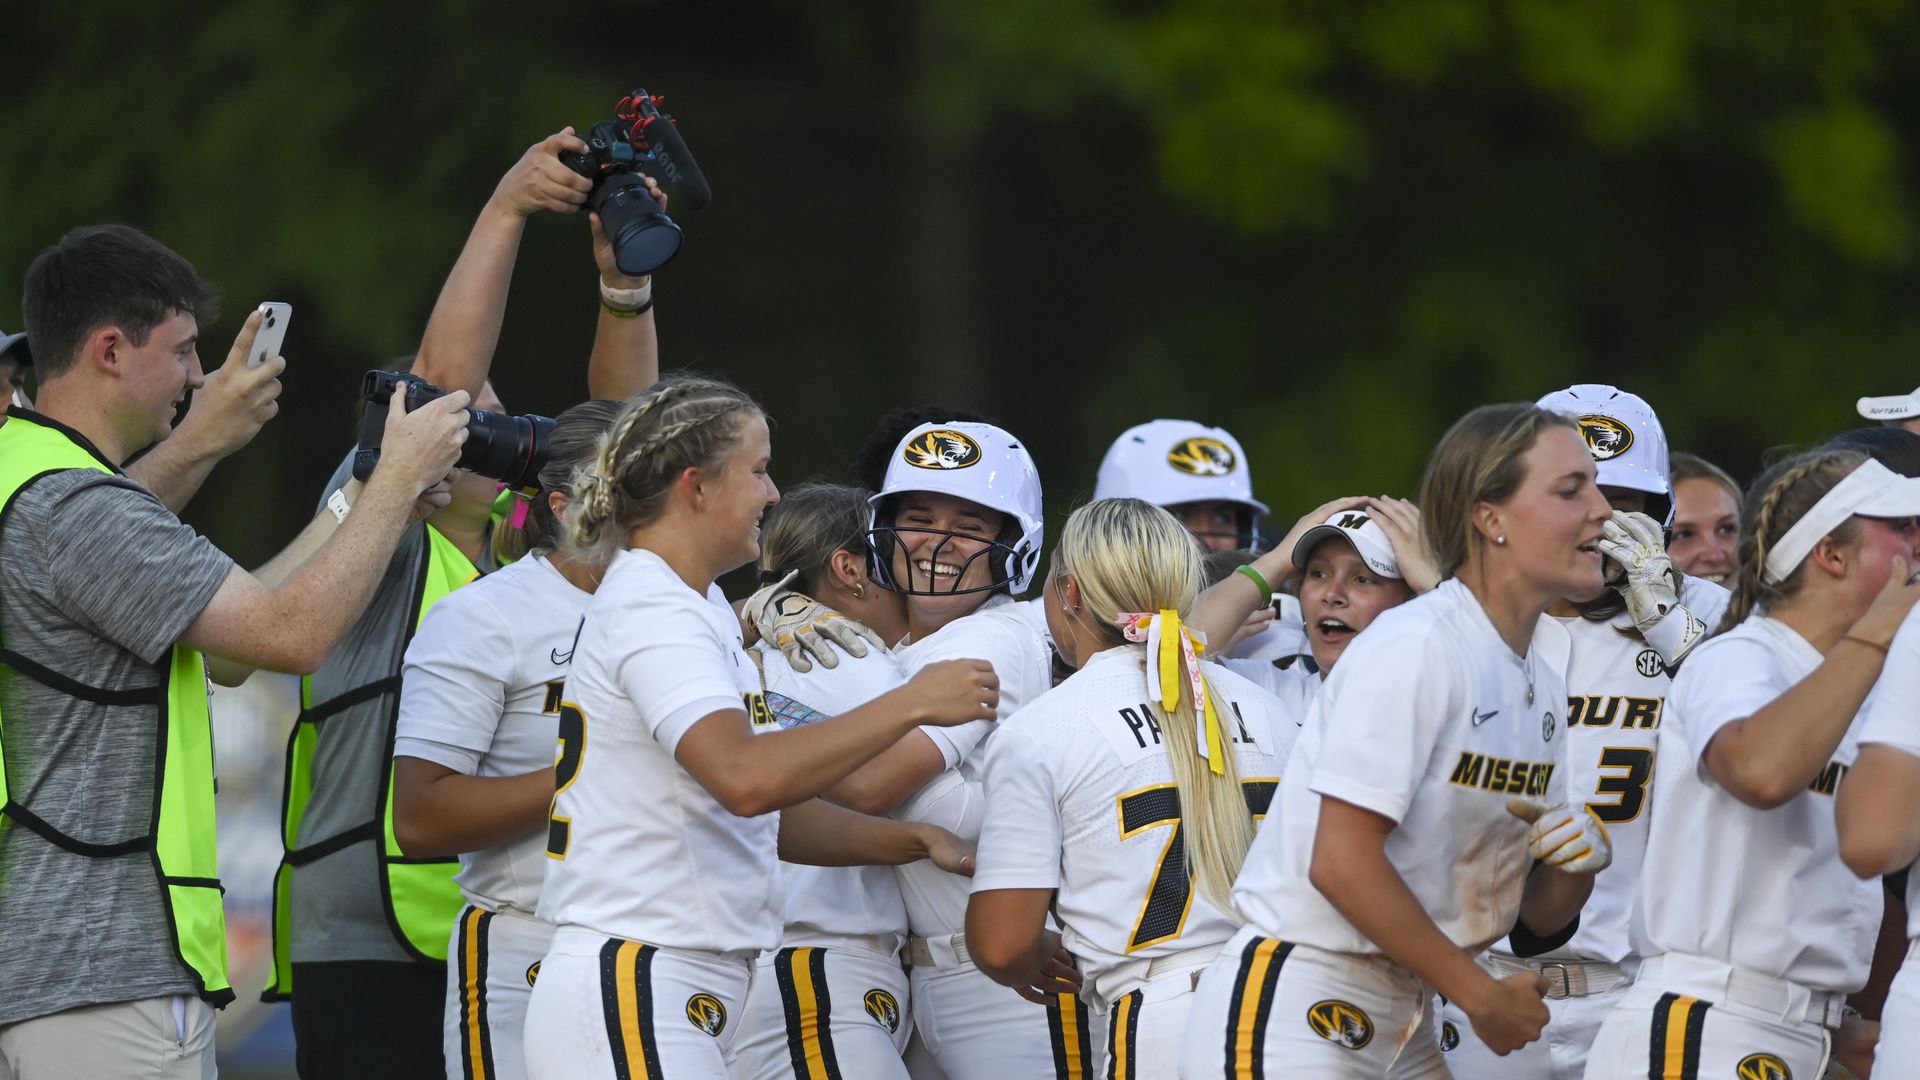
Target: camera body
{"x": 639, "y": 141}
{"x": 510, "y": 449}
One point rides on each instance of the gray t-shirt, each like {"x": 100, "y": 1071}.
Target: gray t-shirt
{"x": 97, "y": 581}
{"x": 339, "y": 911}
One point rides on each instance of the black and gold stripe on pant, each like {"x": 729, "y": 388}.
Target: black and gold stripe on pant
{"x": 476, "y": 1035}
{"x": 1125, "y": 1023}
{"x": 626, "y": 995}
{"x": 1250, "y": 1005}
{"x": 802, "y": 975}
{"x": 1072, "y": 1044}
{"x": 1674, "y": 1049}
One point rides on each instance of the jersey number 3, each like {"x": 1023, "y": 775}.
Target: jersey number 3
{"x": 566, "y": 767}
{"x": 1163, "y": 914}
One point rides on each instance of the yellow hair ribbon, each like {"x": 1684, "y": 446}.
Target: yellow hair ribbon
{"x": 1171, "y": 633}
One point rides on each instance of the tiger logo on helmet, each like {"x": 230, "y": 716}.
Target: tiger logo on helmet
{"x": 941, "y": 448}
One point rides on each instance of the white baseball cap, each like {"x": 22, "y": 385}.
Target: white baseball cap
{"x": 1358, "y": 529}
{"x": 1896, "y": 407}
{"x": 1872, "y": 490}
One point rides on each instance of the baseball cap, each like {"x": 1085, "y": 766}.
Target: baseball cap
{"x": 15, "y": 345}
{"x": 1896, "y": 407}
{"x": 1358, "y": 529}
{"x": 1871, "y": 490}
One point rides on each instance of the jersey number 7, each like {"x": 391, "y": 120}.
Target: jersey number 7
{"x": 1163, "y": 914}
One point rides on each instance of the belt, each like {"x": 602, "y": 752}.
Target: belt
{"x": 1180, "y": 970}
{"x": 1722, "y": 983}
{"x": 938, "y": 951}
{"x": 1565, "y": 978}
{"x": 887, "y": 945}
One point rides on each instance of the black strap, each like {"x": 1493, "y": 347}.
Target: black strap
{"x": 336, "y": 842}
{"x": 359, "y": 695}
{"x": 39, "y": 827}
{"x": 53, "y": 680}
{"x": 196, "y": 883}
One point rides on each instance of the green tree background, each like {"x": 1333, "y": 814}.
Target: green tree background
{"x": 1329, "y": 227}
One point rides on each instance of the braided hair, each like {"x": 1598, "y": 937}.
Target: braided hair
{"x": 573, "y": 442}
{"x": 1781, "y": 497}
{"x": 681, "y": 422}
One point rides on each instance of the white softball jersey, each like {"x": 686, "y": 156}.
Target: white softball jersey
{"x": 1889, "y": 717}
{"x": 481, "y": 694}
{"x": 833, "y": 900}
{"x": 1431, "y": 721}
{"x": 1081, "y": 798}
{"x": 637, "y": 848}
{"x": 1295, "y": 685}
{"x": 1762, "y": 890}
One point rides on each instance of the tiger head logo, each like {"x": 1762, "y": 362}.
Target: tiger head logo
{"x": 533, "y": 972}
{"x": 884, "y": 1009}
{"x": 1605, "y": 436}
{"x": 705, "y": 1012}
{"x": 1762, "y": 1067}
{"x": 1340, "y": 1022}
{"x": 1202, "y": 456}
{"x": 942, "y": 448}
{"x": 1449, "y": 1036}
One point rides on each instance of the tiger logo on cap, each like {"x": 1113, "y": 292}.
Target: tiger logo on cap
{"x": 1606, "y": 437}
{"x": 942, "y": 448}
{"x": 1202, "y": 456}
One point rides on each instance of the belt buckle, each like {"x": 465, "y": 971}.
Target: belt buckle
{"x": 1551, "y": 969}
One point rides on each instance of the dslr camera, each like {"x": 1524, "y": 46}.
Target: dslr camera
{"x": 510, "y": 449}
{"x": 639, "y": 141}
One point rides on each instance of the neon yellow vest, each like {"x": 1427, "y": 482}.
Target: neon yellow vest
{"x": 422, "y": 900}
{"x": 180, "y": 838}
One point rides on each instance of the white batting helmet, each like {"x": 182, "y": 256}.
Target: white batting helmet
{"x": 1628, "y": 444}
{"x": 976, "y": 462}
{"x": 1170, "y": 462}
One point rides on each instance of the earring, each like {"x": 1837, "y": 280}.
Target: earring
{"x": 859, "y": 591}
{"x": 1500, "y": 540}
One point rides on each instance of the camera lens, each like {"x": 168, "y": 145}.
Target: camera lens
{"x": 510, "y": 449}
{"x": 644, "y": 237}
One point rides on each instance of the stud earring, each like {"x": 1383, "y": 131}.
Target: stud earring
{"x": 1500, "y": 540}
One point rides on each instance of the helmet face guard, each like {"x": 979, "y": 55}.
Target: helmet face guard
{"x": 885, "y": 541}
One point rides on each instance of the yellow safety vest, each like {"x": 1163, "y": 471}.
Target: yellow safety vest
{"x": 421, "y": 897}
{"x": 179, "y": 840}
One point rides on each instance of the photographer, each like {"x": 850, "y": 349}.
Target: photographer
{"x": 361, "y": 929}
{"x": 109, "y": 905}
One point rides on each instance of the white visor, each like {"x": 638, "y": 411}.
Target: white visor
{"x": 1872, "y": 490}
{"x": 1897, "y": 407}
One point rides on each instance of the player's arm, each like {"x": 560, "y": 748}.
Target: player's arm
{"x": 438, "y": 811}
{"x": 1350, "y": 868}
{"x": 626, "y": 346}
{"x": 1878, "y": 811}
{"x": 819, "y": 833}
{"x": 891, "y": 778}
{"x": 1007, "y": 937}
{"x": 1220, "y": 611}
{"x": 757, "y": 774}
{"x": 227, "y": 412}
{"x": 1551, "y": 902}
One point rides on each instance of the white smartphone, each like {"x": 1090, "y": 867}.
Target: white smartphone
{"x": 272, "y": 334}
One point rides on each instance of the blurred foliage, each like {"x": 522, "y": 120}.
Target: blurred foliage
{"x": 1330, "y": 227}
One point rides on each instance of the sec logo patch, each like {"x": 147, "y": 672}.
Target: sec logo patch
{"x": 1340, "y": 1022}
{"x": 1648, "y": 663}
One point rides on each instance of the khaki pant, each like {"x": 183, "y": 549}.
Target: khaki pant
{"x": 165, "y": 1038}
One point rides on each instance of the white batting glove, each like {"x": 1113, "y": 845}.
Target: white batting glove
{"x": 804, "y": 629}
{"x": 1572, "y": 840}
{"x": 1640, "y": 571}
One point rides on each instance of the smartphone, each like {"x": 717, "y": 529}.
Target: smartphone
{"x": 274, "y": 317}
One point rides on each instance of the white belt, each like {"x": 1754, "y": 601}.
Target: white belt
{"x": 1124, "y": 979}
{"x": 887, "y": 945}
{"x": 1565, "y": 978}
{"x": 938, "y": 951}
{"x": 1722, "y": 983}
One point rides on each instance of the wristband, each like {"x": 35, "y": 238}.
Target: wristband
{"x": 1266, "y": 590}
{"x": 337, "y": 502}
{"x": 628, "y": 300}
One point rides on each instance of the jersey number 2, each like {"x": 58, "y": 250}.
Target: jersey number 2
{"x": 566, "y": 767}
{"x": 1164, "y": 912}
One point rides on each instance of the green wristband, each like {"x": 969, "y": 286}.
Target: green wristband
{"x": 1266, "y": 590}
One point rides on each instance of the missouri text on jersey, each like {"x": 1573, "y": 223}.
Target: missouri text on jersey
{"x": 1500, "y": 774}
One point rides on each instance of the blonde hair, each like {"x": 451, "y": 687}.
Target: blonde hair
{"x": 1478, "y": 460}
{"x": 572, "y": 443}
{"x": 1131, "y": 556}
{"x": 679, "y": 423}
{"x": 802, "y": 533}
{"x": 1782, "y": 496}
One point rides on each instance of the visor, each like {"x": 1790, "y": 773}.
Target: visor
{"x": 1872, "y": 490}
{"x": 1897, "y": 407}
{"x": 1358, "y": 529}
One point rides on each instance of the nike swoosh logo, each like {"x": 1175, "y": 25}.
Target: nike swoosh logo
{"x": 1482, "y": 717}
{"x": 559, "y": 657}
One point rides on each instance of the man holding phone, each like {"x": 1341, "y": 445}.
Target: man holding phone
{"x": 109, "y": 903}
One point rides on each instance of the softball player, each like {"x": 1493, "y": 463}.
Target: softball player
{"x": 473, "y": 759}
{"x": 1753, "y": 940}
{"x": 1427, "y": 781}
{"x": 1617, "y": 684}
{"x": 832, "y": 1001}
{"x": 663, "y": 883}
{"x": 957, "y": 527}
{"x": 1115, "y": 813}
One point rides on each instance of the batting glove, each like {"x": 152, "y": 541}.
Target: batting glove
{"x": 804, "y": 629}
{"x": 1572, "y": 840}
{"x": 1640, "y": 571}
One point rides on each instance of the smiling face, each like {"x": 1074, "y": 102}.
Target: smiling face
{"x": 157, "y": 376}
{"x": 739, "y": 492}
{"x": 944, "y": 547}
{"x": 1706, "y": 530}
{"x": 1340, "y": 595}
{"x": 1553, "y": 519}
